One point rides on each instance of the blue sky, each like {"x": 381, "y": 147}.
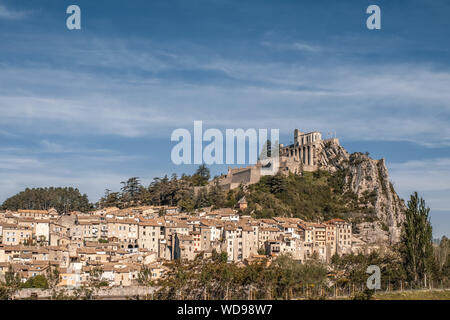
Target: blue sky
{"x": 93, "y": 107}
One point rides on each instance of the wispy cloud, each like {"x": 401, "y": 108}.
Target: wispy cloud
{"x": 91, "y": 170}
{"x": 386, "y": 102}
{"x": 296, "y": 46}
{"x": 9, "y": 162}
{"x": 6, "y": 13}
{"x": 429, "y": 177}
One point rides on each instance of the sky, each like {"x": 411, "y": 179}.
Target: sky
{"x": 90, "y": 108}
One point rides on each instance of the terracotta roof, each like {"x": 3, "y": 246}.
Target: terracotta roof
{"x": 150, "y": 222}
{"x": 335, "y": 220}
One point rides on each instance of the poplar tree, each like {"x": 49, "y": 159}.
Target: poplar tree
{"x": 417, "y": 240}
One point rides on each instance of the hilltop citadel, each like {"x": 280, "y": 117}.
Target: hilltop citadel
{"x": 305, "y": 154}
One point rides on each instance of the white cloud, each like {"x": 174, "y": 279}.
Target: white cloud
{"x": 11, "y": 162}
{"x": 429, "y": 177}
{"x": 89, "y": 170}
{"x": 385, "y": 103}
{"x": 6, "y": 13}
{"x": 301, "y": 46}
{"x": 296, "y": 46}
{"x": 91, "y": 183}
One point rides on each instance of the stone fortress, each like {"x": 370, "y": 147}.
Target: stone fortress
{"x": 303, "y": 155}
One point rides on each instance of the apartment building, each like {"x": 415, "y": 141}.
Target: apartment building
{"x": 150, "y": 234}
{"x": 343, "y": 239}
{"x": 13, "y": 234}
{"x": 125, "y": 230}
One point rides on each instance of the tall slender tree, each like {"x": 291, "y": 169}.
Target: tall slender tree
{"x": 417, "y": 240}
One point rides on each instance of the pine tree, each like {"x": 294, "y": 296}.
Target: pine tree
{"x": 277, "y": 184}
{"x": 202, "y": 199}
{"x": 201, "y": 176}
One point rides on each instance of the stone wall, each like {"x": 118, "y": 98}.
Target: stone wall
{"x": 238, "y": 176}
{"x": 103, "y": 293}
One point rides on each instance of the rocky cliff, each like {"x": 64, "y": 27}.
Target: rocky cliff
{"x": 368, "y": 180}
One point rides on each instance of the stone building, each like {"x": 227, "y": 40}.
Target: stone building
{"x": 303, "y": 155}
{"x": 149, "y": 234}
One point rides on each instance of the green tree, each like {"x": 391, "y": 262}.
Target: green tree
{"x": 64, "y": 200}
{"x": 219, "y": 257}
{"x": 202, "y": 199}
{"x": 442, "y": 260}
{"x": 216, "y": 196}
{"x": 95, "y": 278}
{"x": 417, "y": 240}
{"x": 277, "y": 184}
{"x": 110, "y": 199}
{"x": 10, "y": 284}
{"x": 201, "y": 176}
{"x": 39, "y": 281}
{"x": 53, "y": 276}
{"x": 144, "y": 276}
{"x": 131, "y": 192}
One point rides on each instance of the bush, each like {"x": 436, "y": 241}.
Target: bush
{"x": 38, "y": 281}
{"x": 367, "y": 294}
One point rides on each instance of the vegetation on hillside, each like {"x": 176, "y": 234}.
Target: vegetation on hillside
{"x": 169, "y": 192}
{"x": 311, "y": 196}
{"x": 62, "y": 199}
{"x": 162, "y": 191}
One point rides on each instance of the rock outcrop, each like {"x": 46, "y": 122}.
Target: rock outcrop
{"x": 374, "y": 206}
{"x": 368, "y": 180}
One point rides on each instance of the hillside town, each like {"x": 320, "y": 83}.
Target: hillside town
{"x": 120, "y": 242}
